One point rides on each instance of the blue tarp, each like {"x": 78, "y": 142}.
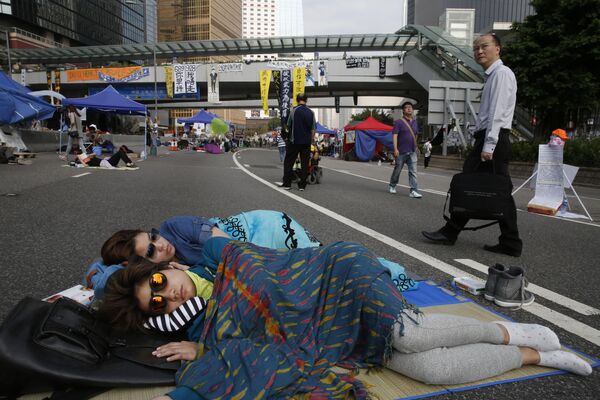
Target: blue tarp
{"x": 108, "y": 100}
{"x": 203, "y": 117}
{"x": 16, "y": 105}
{"x": 366, "y": 141}
{"x": 324, "y": 131}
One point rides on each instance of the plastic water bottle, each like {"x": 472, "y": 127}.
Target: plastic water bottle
{"x": 379, "y": 163}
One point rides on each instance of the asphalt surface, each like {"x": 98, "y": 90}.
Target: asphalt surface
{"x": 53, "y": 224}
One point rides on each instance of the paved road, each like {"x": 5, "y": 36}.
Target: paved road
{"x": 56, "y": 219}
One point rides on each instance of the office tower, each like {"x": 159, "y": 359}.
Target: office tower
{"x": 57, "y": 23}
{"x": 260, "y": 19}
{"x": 182, "y": 20}
{"x": 291, "y": 18}
{"x": 151, "y": 21}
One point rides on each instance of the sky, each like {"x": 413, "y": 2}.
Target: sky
{"x": 331, "y": 17}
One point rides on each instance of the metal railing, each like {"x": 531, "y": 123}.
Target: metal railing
{"x": 27, "y": 34}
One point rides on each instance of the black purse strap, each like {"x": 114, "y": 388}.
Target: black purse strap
{"x": 472, "y": 228}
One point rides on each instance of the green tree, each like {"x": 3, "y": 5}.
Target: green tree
{"x": 274, "y": 123}
{"x": 555, "y": 55}
{"x": 379, "y": 115}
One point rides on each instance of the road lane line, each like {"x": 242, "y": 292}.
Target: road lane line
{"x": 569, "y": 324}
{"x": 80, "y": 175}
{"x": 433, "y": 191}
{"x": 343, "y": 171}
{"x": 557, "y": 298}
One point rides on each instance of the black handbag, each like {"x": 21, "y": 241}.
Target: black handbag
{"x": 56, "y": 345}
{"x": 479, "y": 195}
{"x": 72, "y": 329}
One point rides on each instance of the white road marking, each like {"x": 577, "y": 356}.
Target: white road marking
{"x": 386, "y": 182}
{"x": 80, "y": 175}
{"x": 569, "y": 324}
{"x": 574, "y": 305}
{"x": 438, "y": 192}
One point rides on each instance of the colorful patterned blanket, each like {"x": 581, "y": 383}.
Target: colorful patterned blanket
{"x": 279, "y": 321}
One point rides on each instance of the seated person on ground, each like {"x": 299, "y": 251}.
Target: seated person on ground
{"x": 293, "y": 315}
{"x": 92, "y": 160}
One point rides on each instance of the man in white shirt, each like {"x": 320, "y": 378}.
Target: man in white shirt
{"x": 491, "y": 152}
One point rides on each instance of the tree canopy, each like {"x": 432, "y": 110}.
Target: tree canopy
{"x": 379, "y": 115}
{"x": 555, "y": 55}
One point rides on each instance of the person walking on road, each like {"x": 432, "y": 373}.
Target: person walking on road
{"x": 427, "y": 152}
{"x": 301, "y": 125}
{"x": 491, "y": 152}
{"x": 75, "y": 131}
{"x": 405, "y": 150}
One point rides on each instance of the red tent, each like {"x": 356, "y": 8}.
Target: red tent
{"x": 369, "y": 124}
{"x": 371, "y": 138}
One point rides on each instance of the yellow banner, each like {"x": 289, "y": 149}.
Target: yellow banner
{"x": 169, "y": 81}
{"x": 298, "y": 77}
{"x": 92, "y": 74}
{"x": 265, "y": 81}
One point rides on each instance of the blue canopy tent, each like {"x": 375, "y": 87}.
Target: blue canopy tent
{"x": 324, "y": 131}
{"x": 202, "y": 117}
{"x": 110, "y": 100}
{"x": 368, "y": 133}
{"x": 17, "y": 105}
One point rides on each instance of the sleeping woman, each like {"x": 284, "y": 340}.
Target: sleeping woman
{"x": 277, "y": 322}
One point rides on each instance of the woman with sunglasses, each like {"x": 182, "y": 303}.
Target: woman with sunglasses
{"x": 278, "y": 322}
{"x": 180, "y": 240}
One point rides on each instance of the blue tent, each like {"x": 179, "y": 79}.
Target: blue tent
{"x": 324, "y": 131}
{"x": 16, "y": 105}
{"x": 108, "y": 100}
{"x": 203, "y": 117}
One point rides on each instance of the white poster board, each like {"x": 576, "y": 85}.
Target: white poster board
{"x": 549, "y": 183}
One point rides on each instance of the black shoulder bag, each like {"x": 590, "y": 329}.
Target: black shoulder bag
{"x": 479, "y": 195}
{"x": 72, "y": 329}
{"x": 64, "y": 344}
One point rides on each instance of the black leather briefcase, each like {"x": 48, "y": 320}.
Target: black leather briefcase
{"x": 480, "y": 195}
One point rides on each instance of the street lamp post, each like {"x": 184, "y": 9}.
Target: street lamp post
{"x": 8, "y": 51}
{"x": 155, "y": 85}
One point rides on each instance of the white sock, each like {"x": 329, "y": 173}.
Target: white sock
{"x": 535, "y": 336}
{"x": 566, "y": 361}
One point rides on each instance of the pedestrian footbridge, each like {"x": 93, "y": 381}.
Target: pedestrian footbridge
{"x": 421, "y": 54}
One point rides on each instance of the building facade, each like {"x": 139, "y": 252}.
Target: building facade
{"x": 291, "y": 18}
{"x": 460, "y": 23}
{"x": 199, "y": 20}
{"x": 487, "y": 12}
{"x": 72, "y": 22}
{"x": 260, "y": 19}
{"x": 181, "y": 20}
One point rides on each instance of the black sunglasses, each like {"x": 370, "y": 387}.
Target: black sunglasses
{"x": 152, "y": 236}
{"x": 157, "y": 282}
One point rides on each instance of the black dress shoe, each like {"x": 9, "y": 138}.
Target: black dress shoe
{"x": 438, "y": 237}
{"x": 502, "y": 250}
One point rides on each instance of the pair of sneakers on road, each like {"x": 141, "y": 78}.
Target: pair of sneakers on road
{"x": 505, "y": 286}
{"x": 413, "y": 193}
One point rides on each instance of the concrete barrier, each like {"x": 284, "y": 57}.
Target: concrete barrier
{"x": 518, "y": 169}
{"x": 48, "y": 141}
